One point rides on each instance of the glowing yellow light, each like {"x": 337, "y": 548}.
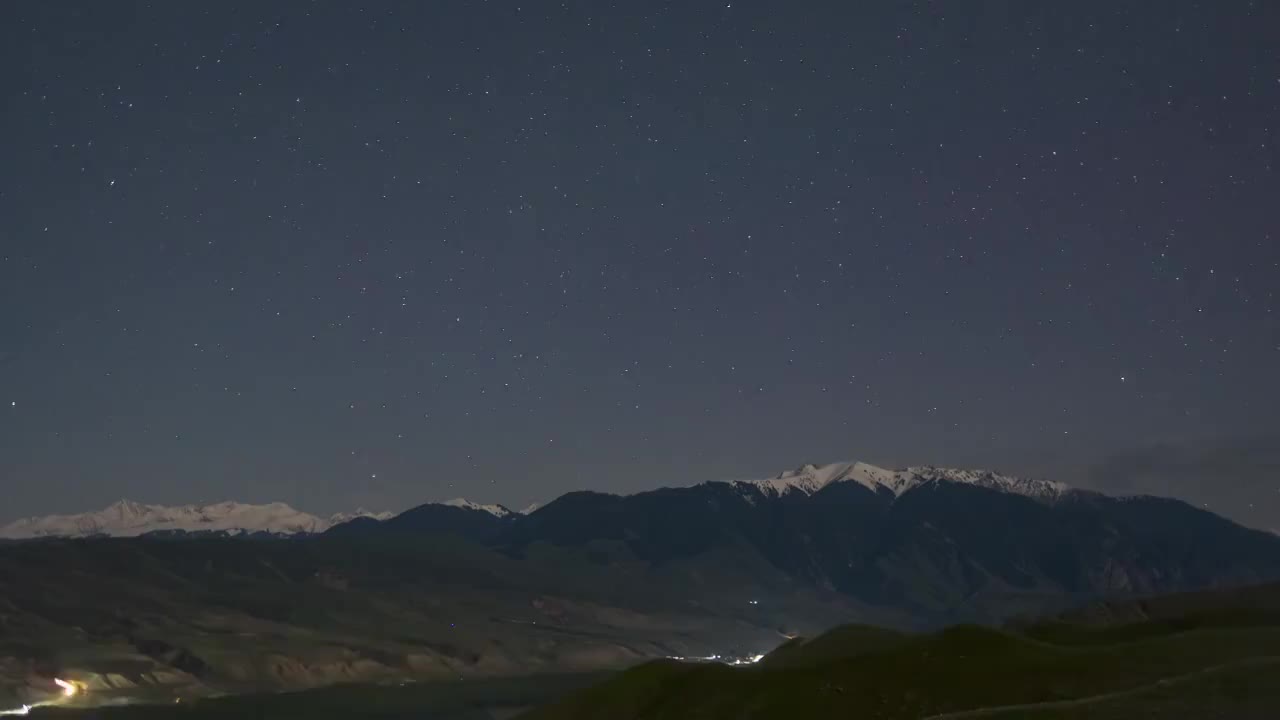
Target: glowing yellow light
{"x": 68, "y": 689}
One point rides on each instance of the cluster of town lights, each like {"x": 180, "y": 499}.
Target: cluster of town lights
{"x": 722, "y": 659}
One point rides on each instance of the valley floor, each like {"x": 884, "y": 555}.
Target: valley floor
{"x": 1217, "y": 665}
{"x": 479, "y": 699}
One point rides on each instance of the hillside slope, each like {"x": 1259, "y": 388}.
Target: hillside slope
{"x": 968, "y": 671}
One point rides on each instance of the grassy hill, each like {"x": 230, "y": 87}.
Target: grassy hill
{"x": 1242, "y": 691}
{"x": 1214, "y": 658}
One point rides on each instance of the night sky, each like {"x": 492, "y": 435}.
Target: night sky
{"x": 338, "y": 255}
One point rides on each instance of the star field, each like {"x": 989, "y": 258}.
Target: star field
{"x": 336, "y": 255}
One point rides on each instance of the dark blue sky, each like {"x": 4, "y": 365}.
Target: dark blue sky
{"x": 340, "y": 255}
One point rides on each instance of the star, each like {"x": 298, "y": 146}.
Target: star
{"x": 703, "y": 241}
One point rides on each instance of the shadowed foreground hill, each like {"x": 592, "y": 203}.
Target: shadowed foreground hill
{"x": 1221, "y": 659}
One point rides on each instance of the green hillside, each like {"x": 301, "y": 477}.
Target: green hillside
{"x": 1242, "y": 691}
{"x": 841, "y": 643}
{"x": 854, "y": 672}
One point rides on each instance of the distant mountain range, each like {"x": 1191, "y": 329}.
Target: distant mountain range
{"x": 938, "y": 543}
{"x": 935, "y": 542}
{"x": 130, "y": 519}
{"x": 942, "y": 543}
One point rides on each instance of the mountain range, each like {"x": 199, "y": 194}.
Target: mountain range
{"x": 940, "y": 543}
{"x": 126, "y": 518}
{"x": 130, "y": 519}
{"x": 590, "y": 579}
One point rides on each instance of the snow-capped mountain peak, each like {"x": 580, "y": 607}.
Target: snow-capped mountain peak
{"x": 495, "y": 510}
{"x": 126, "y": 518}
{"x": 809, "y": 479}
{"x": 339, "y": 518}
{"x": 1047, "y": 490}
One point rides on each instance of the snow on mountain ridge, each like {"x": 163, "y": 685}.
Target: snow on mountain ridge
{"x": 342, "y": 517}
{"x": 495, "y": 510}
{"x": 126, "y": 518}
{"x": 809, "y": 479}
